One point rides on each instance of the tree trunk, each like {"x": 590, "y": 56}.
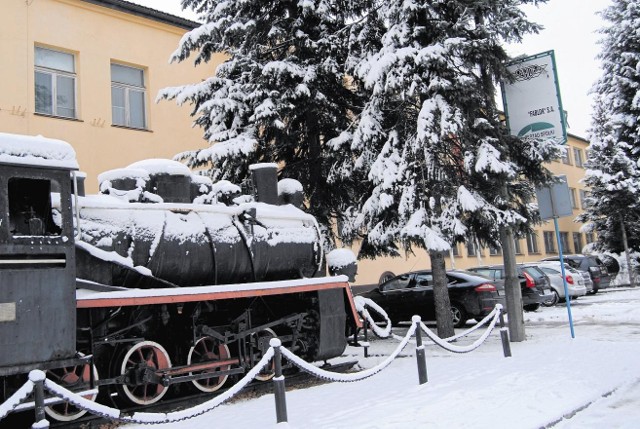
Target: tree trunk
{"x": 441, "y": 295}
{"x": 626, "y": 252}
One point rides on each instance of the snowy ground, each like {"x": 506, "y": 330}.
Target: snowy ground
{"x": 552, "y": 380}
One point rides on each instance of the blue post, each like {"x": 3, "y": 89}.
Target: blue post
{"x": 567, "y": 299}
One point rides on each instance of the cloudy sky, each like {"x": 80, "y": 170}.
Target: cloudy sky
{"x": 570, "y": 30}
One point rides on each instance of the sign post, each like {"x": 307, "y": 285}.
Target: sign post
{"x": 555, "y": 201}
{"x": 533, "y": 110}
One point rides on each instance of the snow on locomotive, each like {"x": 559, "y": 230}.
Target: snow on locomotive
{"x": 162, "y": 279}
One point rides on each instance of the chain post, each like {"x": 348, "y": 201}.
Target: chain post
{"x": 38, "y": 377}
{"x": 420, "y": 354}
{"x": 365, "y": 327}
{"x": 504, "y": 335}
{"x": 278, "y": 380}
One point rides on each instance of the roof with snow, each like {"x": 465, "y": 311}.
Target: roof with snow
{"x": 146, "y": 12}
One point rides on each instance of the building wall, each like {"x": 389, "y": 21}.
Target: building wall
{"x": 96, "y": 35}
{"x": 370, "y": 271}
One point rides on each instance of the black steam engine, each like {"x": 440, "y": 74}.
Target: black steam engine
{"x": 164, "y": 282}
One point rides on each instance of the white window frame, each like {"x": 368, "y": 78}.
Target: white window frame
{"x": 577, "y": 242}
{"x": 54, "y": 74}
{"x": 574, "y": 199}
{"x": 128, "y": 88}
{"x": 517, "y": 247}
{"x": 532, "y": 244}
{"x": 549, "y": 242}
{"x": 577, "y": 157}
{"x": 471, "y": 248}
{"x": 583, "y": 196}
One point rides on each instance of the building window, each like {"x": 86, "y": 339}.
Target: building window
{"x": 577, "y": 242}
{"x": 454, "y": 249}
{"x": 549, "y": 242}
{"x": 577, "y": 157}
{"x": 471, "y": 248}
{"x": 565, "y": 156}
{"x": 128, "y": 95}
{"x": 494, "y": 250}
{"x": 517, "y": 247}
{"x": 589, "y": 237}
{"x": 564, "y": 239}
{"x": 583, "y": 199}
{"x": 55, "y": 83}
{"x": 532, "y": 244}
{"x": 574, "y": 198}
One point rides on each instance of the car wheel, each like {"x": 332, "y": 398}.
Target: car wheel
{"x": 553, "y": 301}
{"x": 459, "y": 316}
{"x": 531, "y": 307}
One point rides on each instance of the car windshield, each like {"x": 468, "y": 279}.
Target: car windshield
{"x": 490, "y": 273}
{"x": 480, "y": 273}
{"x": 573, "y": 263}
{"x": 533, "y": 271}
{"x": 548, "y": 270}
{"x": 396, "y": 283}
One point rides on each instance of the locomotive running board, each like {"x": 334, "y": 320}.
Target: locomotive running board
{"x": 134, "y": 297}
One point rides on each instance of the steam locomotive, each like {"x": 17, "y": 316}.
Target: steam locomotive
{"x": 163, "y": 282}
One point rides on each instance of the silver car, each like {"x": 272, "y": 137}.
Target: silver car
{"x": 575, "y": 281}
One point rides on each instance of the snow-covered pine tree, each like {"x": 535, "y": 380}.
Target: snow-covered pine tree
{"x": 429, "y": 137}
{"x": 613, "y": 170}
{"x": 278, "y": 97}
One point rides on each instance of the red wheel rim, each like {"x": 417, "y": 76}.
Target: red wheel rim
{"x": 207, "y": 349}
{"x": 73, "y": 378}
{"x": 146, "y": 354}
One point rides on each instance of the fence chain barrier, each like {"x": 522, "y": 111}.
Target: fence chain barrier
{"x": 14, "y": 400}
{"x": 348, "y": 378}
{"x": 113, "y": 414}
{"x": 157, "y": 418}
{"x": 362, "y": 304}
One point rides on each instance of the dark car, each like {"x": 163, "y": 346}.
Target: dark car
{"x": 472, "y": 296}
{"x": 534, "y": 284}
{"x": 591, "y": 264}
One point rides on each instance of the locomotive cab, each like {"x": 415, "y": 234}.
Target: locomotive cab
{"x": 37, "y": 256}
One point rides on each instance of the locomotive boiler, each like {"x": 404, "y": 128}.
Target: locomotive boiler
{"x": 162, "y": 283}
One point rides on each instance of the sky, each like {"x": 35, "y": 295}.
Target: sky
{"x": 570, "y": 30}
{"x": 551, "y": 380}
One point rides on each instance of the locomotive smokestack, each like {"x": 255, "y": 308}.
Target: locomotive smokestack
{"x": 265, "y": 182}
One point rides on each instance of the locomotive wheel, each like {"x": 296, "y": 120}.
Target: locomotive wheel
{"x": 208, "y": 349}
{"x": 71, "y": 377}
{"x": 262, "y": 339}
{"x": 146, "y": 354}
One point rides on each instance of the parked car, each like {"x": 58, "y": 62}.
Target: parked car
{"x": 588, "y": 263}
{"x": 575, "y": 282}
{"x": 534, "y": 284}
{"x": 472, "y": 296}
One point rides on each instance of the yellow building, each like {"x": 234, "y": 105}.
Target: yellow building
{"x": 88, "y": 72}
{"x": 533, "y": 248}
